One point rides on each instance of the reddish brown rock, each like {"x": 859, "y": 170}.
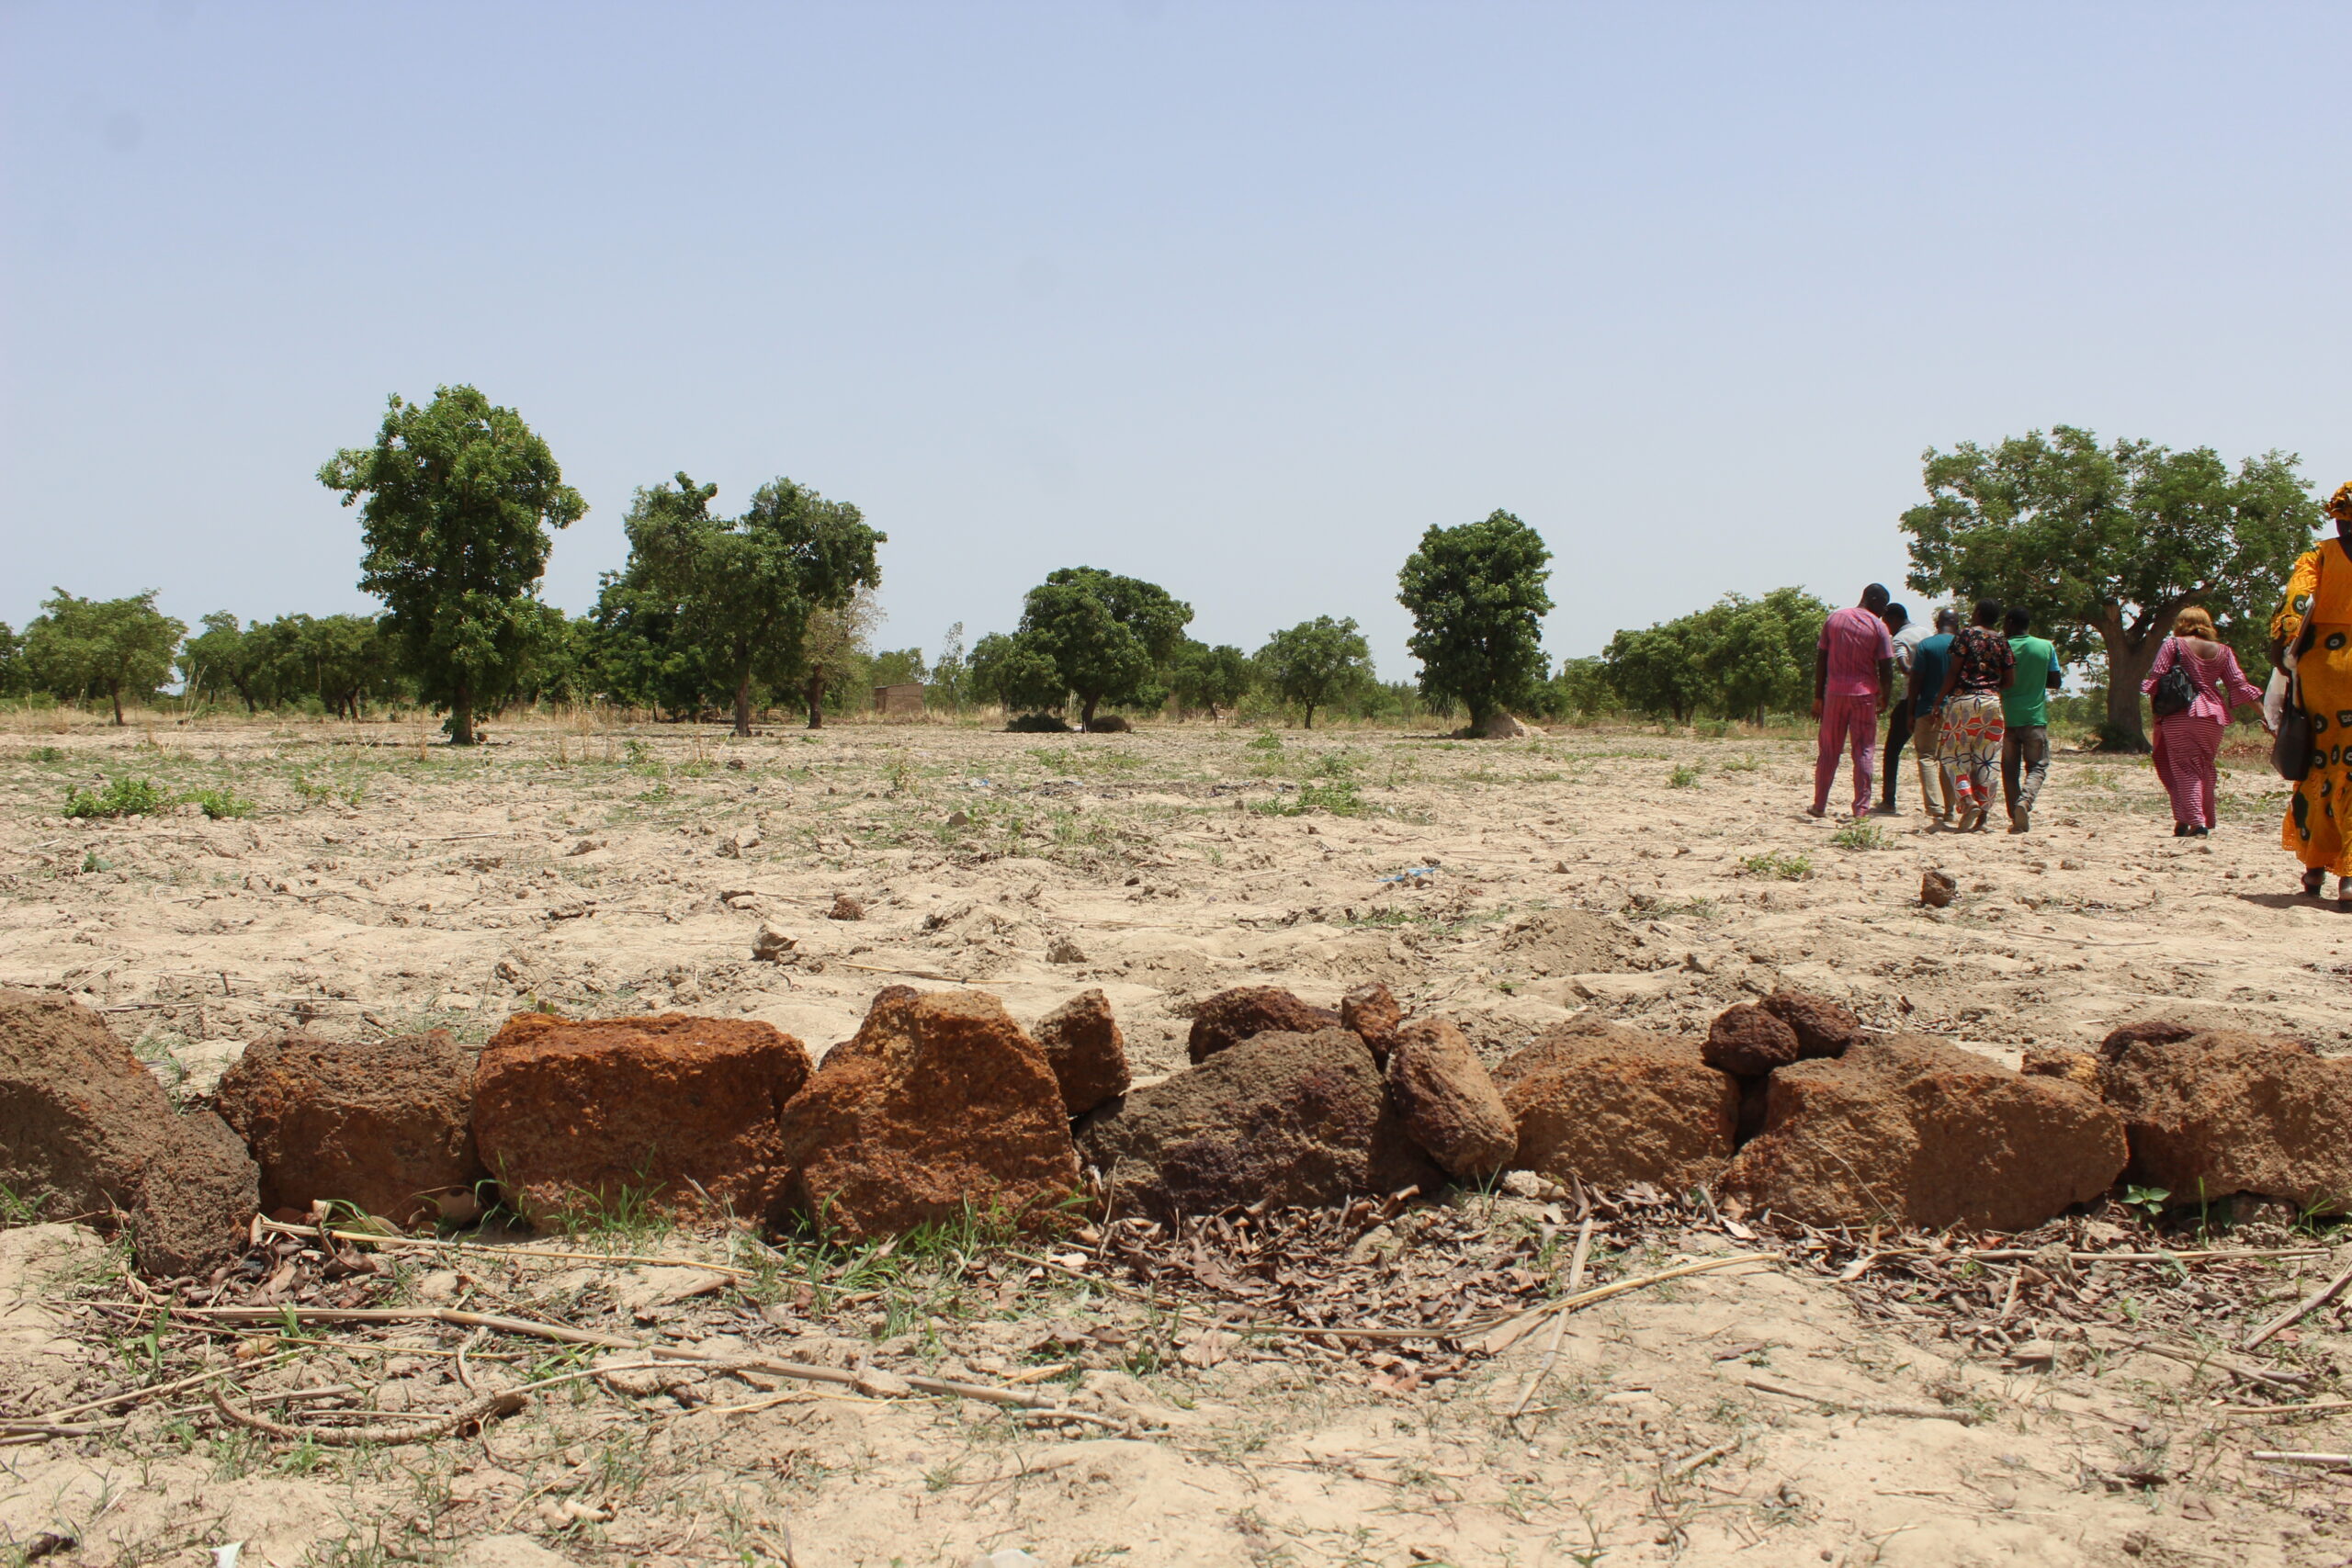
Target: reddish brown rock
{"x": 1371, "y": 1014}
{"x": 85, "y": 1129}
{"x": 845, "y": 908}
{"x": 1822, "y": 1027}
{"x": 1228, "y": 1017}
{"x": 2220, "y": 1112}
{"x": 1747, "y": 1041}
{"x": 1612, "y": 1105}
{"x": 1282, "y": 1119}
{"x": 2078, "y": 1067}
{"x": 384, "y": 1125}
{"x": 1908, "y": 1131}
{"x": 940, "y": 1104}
{"x": 2150, "y": 1031}
{"x": 1086, "y": 1051}
{"x": 1450, "y": 1105}
{"x": 576, "y": 1118}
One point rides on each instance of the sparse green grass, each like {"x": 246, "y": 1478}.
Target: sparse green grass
{"x": 221, "y": 803}
{"x": 1343, "y": 799}
{"x": 1778, "y": 866}
{"x": 1861, "y": 835}
{"x": 1684, "y": 777}
{"x": 124, "y": 796}
{"x": 1739, "y": 765}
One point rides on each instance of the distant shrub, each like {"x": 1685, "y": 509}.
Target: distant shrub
{"x": 1037, "y": 724}
{"x": 1109, "y": 724}
{"x": 1268, "y": 741}
{"x": 122, "y": 797}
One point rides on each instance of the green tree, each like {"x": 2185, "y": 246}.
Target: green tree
{"x": 1316, "y": 663}
{"x": 78, "y": 648}
{"x": 1758, "y": 653}
{"x": 636, "y": 651}
{"x": 219, "y": 658}
{"x": 2107, "y": 545}
{"x": 1210, "y": 678}
{"x": 1658, "y": 671}
{"x": 744, "y": 590}
{"x": 16, "y": 678}
{"x": 1017, "y": 671}
{"x": 1477, "y": 596}
{"x": 1106, "y": 636}
{"x": 836, "y": 651}
{"x": 458, "y": 497}
{"x": 1581, "y": 689}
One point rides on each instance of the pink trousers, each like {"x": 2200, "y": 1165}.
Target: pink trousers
{"x": 1847, "y": 723}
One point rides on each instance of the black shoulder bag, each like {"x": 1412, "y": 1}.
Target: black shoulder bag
{"x": 2174, "y": 691}
{"x": 2292, "y": 749}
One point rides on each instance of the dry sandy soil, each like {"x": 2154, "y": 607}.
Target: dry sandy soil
{"x": 382, "y": 885}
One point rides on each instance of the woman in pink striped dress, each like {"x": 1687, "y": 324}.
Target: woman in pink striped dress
{"x": 2192, "y": 739}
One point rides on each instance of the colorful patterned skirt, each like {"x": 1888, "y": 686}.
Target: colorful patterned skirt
{"x": 2315, "y": 829}
{"x": 1972, "y": 741}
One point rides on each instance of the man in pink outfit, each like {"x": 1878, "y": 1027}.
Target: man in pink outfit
{"x": 1853, "y": 671}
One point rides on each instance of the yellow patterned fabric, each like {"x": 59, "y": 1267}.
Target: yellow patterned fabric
{"x": 2339, "y": 505}
{"x": 2318, "y": 827}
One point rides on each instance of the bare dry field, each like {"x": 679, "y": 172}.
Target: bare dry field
{"x": 1837, "y": 1402}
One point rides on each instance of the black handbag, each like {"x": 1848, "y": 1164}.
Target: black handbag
{"x": 2174, "y": 691}
{"x": 2293, "y": 749}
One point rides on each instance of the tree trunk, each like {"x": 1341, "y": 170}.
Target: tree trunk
{"x": 115, "y": 692}
{"x": 2127, "y": 665}
{"x": 743, "y": 704}
{"x": 461, "y": 716}
{"x": 1085, "y": 715}
{"x": 1310, "y": 715}
{"x": 815, "y": 692}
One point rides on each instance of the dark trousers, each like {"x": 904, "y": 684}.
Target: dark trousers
{"x": 1899, "y": 730}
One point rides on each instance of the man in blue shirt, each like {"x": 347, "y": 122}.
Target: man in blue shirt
{"x": 1931, "y": 661}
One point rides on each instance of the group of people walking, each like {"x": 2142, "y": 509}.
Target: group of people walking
{"x": 1967, "y": 698}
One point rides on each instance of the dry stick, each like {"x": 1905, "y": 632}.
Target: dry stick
{"x": 1921, "y": 1412}
{"x": 861, "y": 1381}
{"x": 141, "y": 1394}
{"x": 502, "y": 1403}
{"x": 2334, "y": 1461}
{"x": 2299, "y": 1311}
{"x": 1559, "y": 1323}
{"x": 2271, "y": 1412}
{"x": 2214, "y": 1358}
{"x": 1509, "y": 1330}
{"x": 279, "y": 1227}
{"x": 1681, "y": 1468}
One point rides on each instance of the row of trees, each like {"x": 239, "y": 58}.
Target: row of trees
{"x": 458, "y": 498}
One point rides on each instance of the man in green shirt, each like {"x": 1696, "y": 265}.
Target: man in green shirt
{"x": 2025, "y": 710}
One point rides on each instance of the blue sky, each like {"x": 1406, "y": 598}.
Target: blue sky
{"x": 1239, "y": 297}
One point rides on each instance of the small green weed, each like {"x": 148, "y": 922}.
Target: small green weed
{"x": 1740, "y": 765}
{"x": 1861, "y": 835}
{"x": 1778, "y": 866}
{"x": 125, "y": 796}
{"x": 1268, "y": 741}
{"x": 1683, "y": 777}
{"x": 90, "y": 861}
{"x": 46, "y": 754}
{"x": 1341, "y": 799}
{"x": 2149, "y": 1201}
{"x": 221, "y": 803}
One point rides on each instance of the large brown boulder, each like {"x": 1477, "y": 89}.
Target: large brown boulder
{"x": 581, "y": 1118}
{"x": 385, "y": 1125}
{"x": 2213, "y": 1113}
{"x": 1230, "y": 1016}
{"x": 1086, "y": 1051}
{"x": 85, "y": 1129}
{"x": 938, "y": 1105}
{"x": 1909, "y": 1130}
{"x": 1747, "y": 1041}
{"x": 1612, "y": 1105}
{"x": 1450, "y": 1104}
{"x": 1282, "y": 1119}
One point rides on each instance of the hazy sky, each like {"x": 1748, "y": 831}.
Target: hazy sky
{"x": 1240, "y": 298}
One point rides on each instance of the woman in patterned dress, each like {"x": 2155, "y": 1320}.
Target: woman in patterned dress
{"x": 2319, "y": 603}
{"x": 1981, "y": 668}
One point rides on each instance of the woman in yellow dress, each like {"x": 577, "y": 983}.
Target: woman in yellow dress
{"x": 2319, "y": 818}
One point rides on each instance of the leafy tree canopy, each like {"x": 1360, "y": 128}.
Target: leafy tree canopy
{"x": 1210, "y": 678}
{"x": 1478, "y": 600}
{"x": 1738, "y": 657}
{"x": 744, "y": 588}
{"x": 2107, "y": 545}
{"x": 1106, "y": 636}
{"x": 16, "y": 677}
{"x": 1316, "y": 661}
{"x": 458, "y": 495}
{"x": 1016, "y": 673}
{"x": 79, "y": 647}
